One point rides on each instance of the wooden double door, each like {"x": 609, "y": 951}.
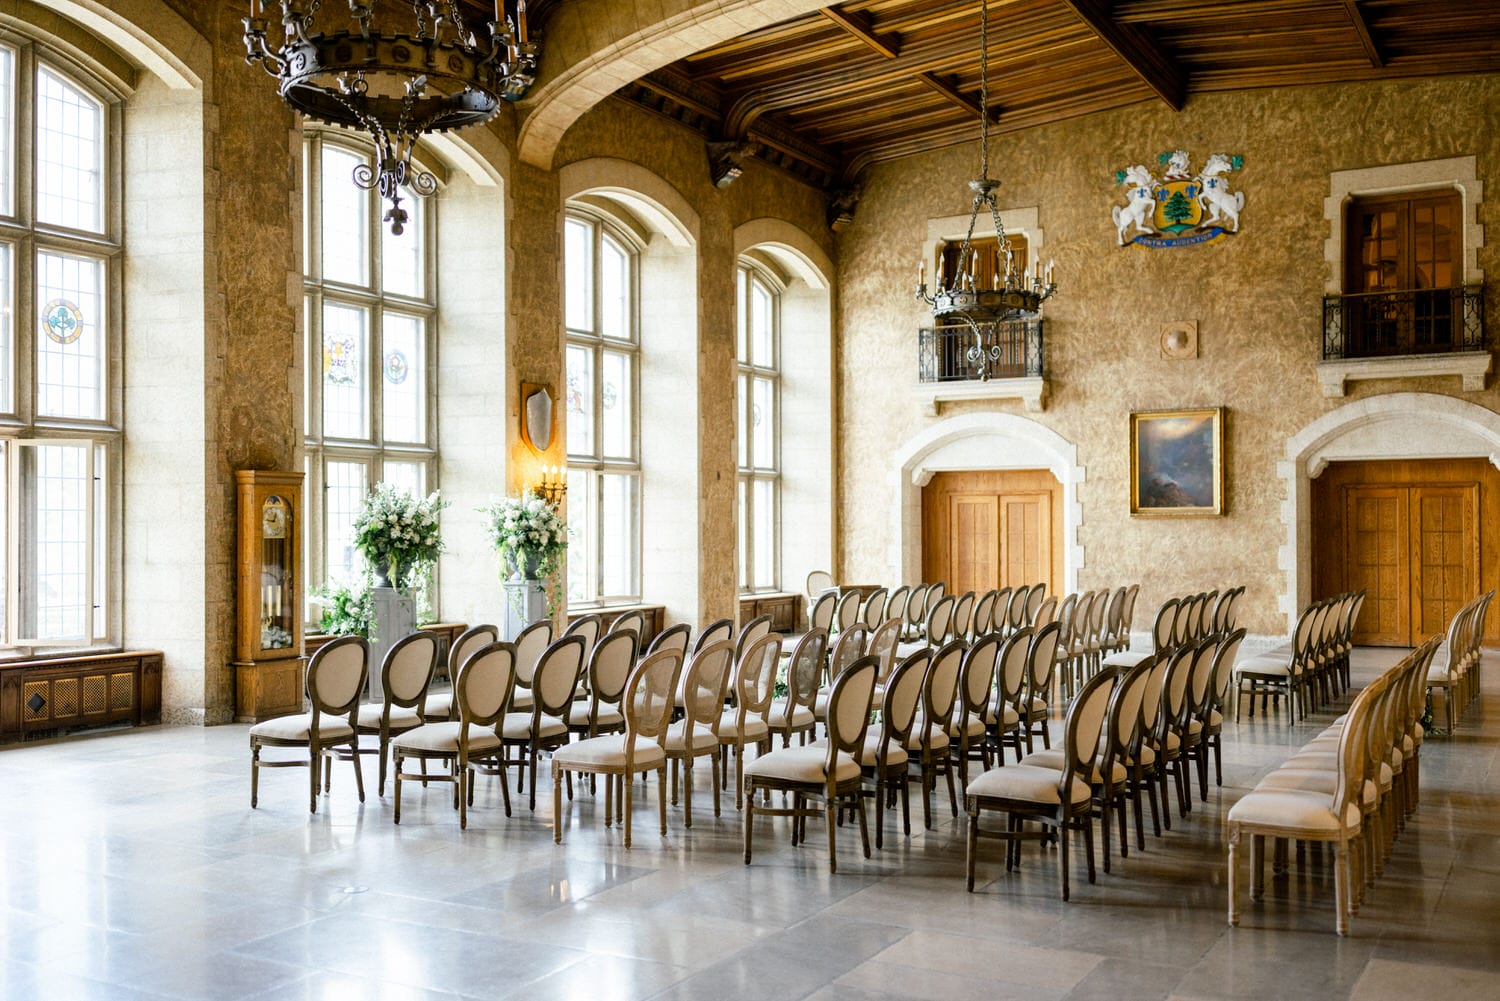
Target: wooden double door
{"x": 984, "y": 529}
{"x": 1411, "y": 535}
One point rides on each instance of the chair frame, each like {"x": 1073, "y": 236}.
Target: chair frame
{"x": 383, "y": 730}
{"x": 532, "y": 745}
{"x": 682, "y": 761}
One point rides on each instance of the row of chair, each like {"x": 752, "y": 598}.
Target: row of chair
{"x": 1313, "y": 667}
{"x": 928, "y": 613}
{"x": 1353, "y": 786}
{"x": 1126, "y": 731}
{"x": 1455, "y": 667}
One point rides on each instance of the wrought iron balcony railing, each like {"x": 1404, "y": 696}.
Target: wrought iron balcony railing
{"x": 1419, "y": 321}
{"x": 1006, "y": 349}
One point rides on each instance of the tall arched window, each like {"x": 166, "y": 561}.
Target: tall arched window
{"x": 759, "y": 411}
{"x": 60, "y": 408}
{"x": 370, "y": 317}
{"x": 604, "y": 456}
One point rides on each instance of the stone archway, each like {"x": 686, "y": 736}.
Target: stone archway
{"x": 1392, "y": 426}
{"x": 981, "y": 441}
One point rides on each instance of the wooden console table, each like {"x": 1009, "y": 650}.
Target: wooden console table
{"x": 46, "y": 697}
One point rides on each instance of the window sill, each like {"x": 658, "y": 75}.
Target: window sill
{"x": 1032, "y": 391}
{"x": 1471, "y": 366}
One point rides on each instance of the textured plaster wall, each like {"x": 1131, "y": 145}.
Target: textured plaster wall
{"x": 1256, "y": 298}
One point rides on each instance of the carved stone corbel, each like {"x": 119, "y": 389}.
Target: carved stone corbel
{"x": 726, "y": 160}
{"x": 841, "y": 205}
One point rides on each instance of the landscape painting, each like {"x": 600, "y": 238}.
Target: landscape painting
{"x": 1177, "y": 462}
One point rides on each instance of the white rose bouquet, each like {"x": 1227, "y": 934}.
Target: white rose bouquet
{"x": 531, "y": 538}
{"x": 397, "y": 532}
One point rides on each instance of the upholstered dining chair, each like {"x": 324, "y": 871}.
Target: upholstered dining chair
{"x": 820, "y": 612}
{"x": 608, "y": 670}
{"x": 884, "y": 756}
{"x": 1003, "y": 716}
{"x": 929, "y": 741}
{"x": 873, "y": 612}
{"x": 704, "y": 684}
{"x": 619, "y": 757}
{"x": 750, "y": 632}
{"x": 895, "y": 604}
{"x": 1061, "y": 799}
{"x": 830, "y": 773}
{"x": 544, "y": 724}
{"x": 1041, "y": 666}
{"x": 849, "y": 647}
{"x": 963, "y": 615}
{"x": 336, "y": 677}
{"x": 1212, "y": 714}
{"x": 916, "y": 608}
{"x": 590, "y": 627}
{"x": 441, "y": 705}
{"x": 819, "y": 581}
{"x": 882, "y": 643}
{"x": 482, "y": 689}
{"x": 405, "y": 675}
{"x": 846, "y": 612}
{"x": 983, "y": 616}
{"x": 1034, "y": 597}
{"x": 976, "y": 685}
{"x": 746, "y": 723}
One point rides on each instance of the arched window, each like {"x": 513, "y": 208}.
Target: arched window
{"x": 758, "y": 418}
{"x": 370, "y": 317}
{"x": 604, "y": 456}
{"x": 60, "y": 408}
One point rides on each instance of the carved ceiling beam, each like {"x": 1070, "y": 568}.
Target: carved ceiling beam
{"x": 858, "y": 25}
{"x": 1136, "y": 49}
{"x": 1362, "y": 29}
{"x": 954, "y": 95}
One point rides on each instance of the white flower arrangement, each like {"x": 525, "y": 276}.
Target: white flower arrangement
{"x": 529, "y": 533}
{"x": 398, "y": 531}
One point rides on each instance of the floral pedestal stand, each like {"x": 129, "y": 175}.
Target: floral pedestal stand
{"x": 525, "y": 602}
{"x": 395, "y": 617}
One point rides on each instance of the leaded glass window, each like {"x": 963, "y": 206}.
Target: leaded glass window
{"x": 371, "y": 315}
{"x": 758, "y": 435}
{"x": 602, "y": 361}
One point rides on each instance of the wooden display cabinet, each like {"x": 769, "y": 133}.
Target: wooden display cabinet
{"x": 268, "y": 595}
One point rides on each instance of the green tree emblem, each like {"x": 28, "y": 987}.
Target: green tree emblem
{"x": 1179, "y": 210}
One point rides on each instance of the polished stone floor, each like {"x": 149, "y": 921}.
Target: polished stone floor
{"x": 133, "y": 868}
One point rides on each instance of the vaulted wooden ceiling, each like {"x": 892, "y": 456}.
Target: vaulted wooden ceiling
{"x": 826, "y": 94}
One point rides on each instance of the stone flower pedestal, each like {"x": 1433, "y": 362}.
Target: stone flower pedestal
{"x": 395, "y": 617}
{"x": 525, "y": 602}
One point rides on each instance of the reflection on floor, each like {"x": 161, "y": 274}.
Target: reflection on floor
{"x": 134, "y": 868}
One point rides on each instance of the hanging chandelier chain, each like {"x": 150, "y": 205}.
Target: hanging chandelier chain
{"x": 984, "y": 88}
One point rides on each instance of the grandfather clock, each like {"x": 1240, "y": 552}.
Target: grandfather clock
{"x": 268, "y": 595}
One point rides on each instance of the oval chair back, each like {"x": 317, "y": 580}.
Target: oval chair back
{"x": 704, "y": 685}
{"x": 632, "y": 619}
{"x": 882, "y": 644}
{"x": 849, "y": 705}
{"x": 984, "y": 615}
{"x": 671, "y": 638}
{"x": 716, "y": 631}
{"x": 804, "y": 673}
{"x": 940, "y": 693}
{"x": 1152, "y": 698}
{"x": 939, "y": 617}
{"x": 1123, "y": 724}
{"x": 1223, "y": 670}
{"x": 818, "y": 581}
{"x": 1221, "y": 611}
{"x": 1162, "y": 628}
{"x": 408, "y": 668}
{"x": 530, "y": 643}
{"x": 485, "y": 683}
{"x": 608, "y": 672}
{"x": 977, "y": 677}
{"x": 1010, "y": 677}
{"x": 468, "y": 641}
{"x": 820, "y": 613}
{"x": 873, "y": 612}
{"x": 556, "y": 676}
{"x": 650, "y": 698}
{"x": 895, "y": 605}
{"x": 963, "y": 612}
{"x": 756, "y": 629}
{"x": 1067, "y": 613}
{"x": 935, "y": 594}
{"x": 916, "y": 607}
{"x": 589, "y": 627}
{"x": 846, "y": 613}
{"x": 1082, "y": 729}
{"x": 1015, "y": 616}
{"x": 336, "y": 678}
{"x": 1174, "y": 694}
{"x": 903, "y": 695}
{"x": 1000, "y": 612}
{"x": 1201, "y": 680}
{"x": 1114, "y": 617}
{"x": 1042, "y": 661}
{"x": 755, "y": 680}
{"x": 849, "y": 647}
{"x": 1034, "y": 598}
{"x": 1047, "y": 612}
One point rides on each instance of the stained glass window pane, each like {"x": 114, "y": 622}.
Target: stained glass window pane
{"x": 617, "y": 535}
{"x": 614, "y": 293}
{"x": 578, "y": 257}
{"x": 618, "y": 406}
{"x": 7, "y": 330}
{"x": 582, "y": 556}
{"x": 345, "y": 372}
{"x": 69, "y": 155}
{"x": 53, "y": 516}
{"x": 403, "y": 258}
{"x": 70, "y": 336}
{"x": 762, "y": 423}
{"x": 344, "y": 488}
{"x": 764, "y": 532}
{"x": 580, "y": 401}
{"x": 7, "y": 133}
{"x": 762, "y": 327}
{"x": 346, "y": 219}
{"x": 408, "y": 476}
{"x": 403, "y": 374}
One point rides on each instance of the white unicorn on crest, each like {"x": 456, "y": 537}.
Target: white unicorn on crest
{"x": 1141, "y": 204}
{"x": 1216, "y": 198}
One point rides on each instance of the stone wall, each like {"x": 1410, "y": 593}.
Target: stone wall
{"x": 1256, "y": 297}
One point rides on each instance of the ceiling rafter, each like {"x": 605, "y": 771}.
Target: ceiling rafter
{"x": 1137, "y": 49}
{"x": 1362, "y": 29}
{"x": 953, "y": 94}
{"x": 858, "y": 25}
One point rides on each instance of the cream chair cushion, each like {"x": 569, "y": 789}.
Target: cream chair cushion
{"x": 868, "y": 755}
{"x": 755, "y": 727}
{"x": 1301, "y": 811}
{"x": 401, "y": 717}
{"x": 704, "y": 738}
{"x": 443, "y": 737}
{"x": 1125, "y": 660}
{"x": 299, "y": 727}
{"x": 801, "y": 717}
{"x": 1054, "y": 759}
{"x": 609, "y": 751}
{"x": 938, "y": 739}
{"x": 517, "y": 726}
{"x": 608, "y": 716}
{"x": 1026, "y": 783}
{"x": 802, "y": 764}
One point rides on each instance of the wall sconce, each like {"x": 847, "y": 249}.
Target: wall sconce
{"x": 554, "y": 485}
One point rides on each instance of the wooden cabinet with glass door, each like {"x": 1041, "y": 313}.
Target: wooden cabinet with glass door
{"x": 268, "y": 596}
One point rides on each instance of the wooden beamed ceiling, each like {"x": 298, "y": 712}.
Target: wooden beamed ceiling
{"x": 828, "y": 93}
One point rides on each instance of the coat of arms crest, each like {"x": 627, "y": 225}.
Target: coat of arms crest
{"x": 1182, "y": 208}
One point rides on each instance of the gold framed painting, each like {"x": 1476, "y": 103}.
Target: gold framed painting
{"x": 1177, "y": 463}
